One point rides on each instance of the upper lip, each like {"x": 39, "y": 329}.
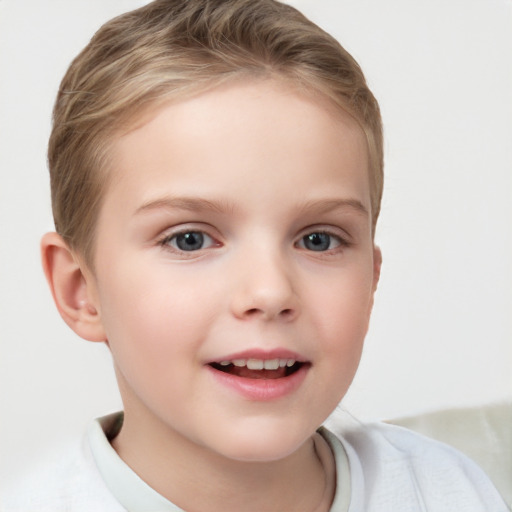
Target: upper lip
{"x": 265, "y": 355}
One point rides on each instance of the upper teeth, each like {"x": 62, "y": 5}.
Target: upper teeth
{"x": 260, "y": 364}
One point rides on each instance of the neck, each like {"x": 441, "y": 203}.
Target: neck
{"x": 195, "y": 478}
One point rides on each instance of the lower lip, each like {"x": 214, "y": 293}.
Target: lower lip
{"x": 262, "y": 389}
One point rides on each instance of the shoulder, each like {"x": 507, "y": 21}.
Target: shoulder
{"x": 67, "y": 482}
{"x": 393, "y": 465}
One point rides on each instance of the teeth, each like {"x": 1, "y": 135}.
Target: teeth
{"x": 260, "y": 364}
{"x": 271, "y": 364}
{"x": 255, "y": 364}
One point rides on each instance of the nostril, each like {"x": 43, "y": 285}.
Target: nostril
{"x": 284, "y": 313}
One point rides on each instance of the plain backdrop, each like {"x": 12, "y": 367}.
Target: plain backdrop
{"x": 442, "y": 326}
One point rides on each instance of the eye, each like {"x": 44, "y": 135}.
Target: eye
{"x": 189, "y": 241}
{"x": 319, "y": 241}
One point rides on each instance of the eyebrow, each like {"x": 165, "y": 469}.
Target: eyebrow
{"x": 197, "y": 204}
{"x": 321, "y": 206}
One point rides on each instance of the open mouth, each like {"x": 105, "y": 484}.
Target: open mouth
{"x": 259, "y": 368}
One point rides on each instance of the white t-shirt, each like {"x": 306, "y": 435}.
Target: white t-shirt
{"x": 379, "y": 468}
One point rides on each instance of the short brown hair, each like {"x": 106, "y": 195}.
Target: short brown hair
{"x": 172, "y": 48}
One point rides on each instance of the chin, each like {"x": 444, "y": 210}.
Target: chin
{"x": 262, "y": 444}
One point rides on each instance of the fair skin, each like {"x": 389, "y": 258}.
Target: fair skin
{"x": 236, "y": 233}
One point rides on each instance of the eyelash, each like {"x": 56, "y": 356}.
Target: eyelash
{"x": 341, "y": 242}
{"x": 166, "y": 241}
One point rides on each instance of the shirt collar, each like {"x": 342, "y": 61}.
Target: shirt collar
{"x": 127, "y": 487}
{"x": 137, "y": 496}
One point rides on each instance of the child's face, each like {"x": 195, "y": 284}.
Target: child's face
{"x": 237, "y": 227}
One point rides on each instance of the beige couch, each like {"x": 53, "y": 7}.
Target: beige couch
{"x": 482, "y": 433}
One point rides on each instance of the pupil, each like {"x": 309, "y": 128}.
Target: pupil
{"x": 317, "y": 241}
{"x": 190, "y": 241}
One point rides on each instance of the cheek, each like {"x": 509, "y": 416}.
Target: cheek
{"x": 142, "y": 317}
{"x": 156, "y": 318}
{"x": 341, "y": 317}
{"x": 343, "y": 305}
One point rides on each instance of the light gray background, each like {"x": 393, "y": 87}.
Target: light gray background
{"x": 442, "y": 328}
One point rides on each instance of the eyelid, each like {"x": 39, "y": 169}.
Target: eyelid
{"x": 206, "y": 238}
{"x": 334, "y": 231}
{"x": 170, "y": 233}
{"x": 339, "y": 234}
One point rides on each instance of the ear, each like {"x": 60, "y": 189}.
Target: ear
{"x": 72, "y": 287}
{"x": 377, "y": 264}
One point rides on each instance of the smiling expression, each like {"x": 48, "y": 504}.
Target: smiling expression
{"x": 235, "y": 268}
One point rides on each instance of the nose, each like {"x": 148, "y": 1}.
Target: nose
{"x": 264, "y": 288}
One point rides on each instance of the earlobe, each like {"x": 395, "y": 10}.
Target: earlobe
{"x": 72, "y": 290}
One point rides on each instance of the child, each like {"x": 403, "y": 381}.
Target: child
{"x": 216, "y": 171}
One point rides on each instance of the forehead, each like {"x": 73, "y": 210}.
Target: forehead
{"x": 243, "y": 126}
